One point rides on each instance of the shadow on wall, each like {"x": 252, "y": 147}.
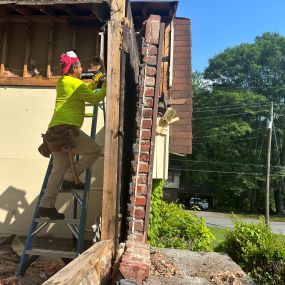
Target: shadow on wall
{"x": 16, "y": 211}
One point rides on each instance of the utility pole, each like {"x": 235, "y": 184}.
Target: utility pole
{"x": 269, "y": 127}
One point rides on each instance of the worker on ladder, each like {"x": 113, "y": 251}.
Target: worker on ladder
{"x": 64, "y": 139}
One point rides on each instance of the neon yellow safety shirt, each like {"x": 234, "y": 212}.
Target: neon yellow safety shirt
{"x": 71, "y": 95}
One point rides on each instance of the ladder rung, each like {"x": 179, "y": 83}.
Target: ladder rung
{"x": 88, "y": 115}
{"x": 65, "y": 221}
{"x": 53, "y": 253}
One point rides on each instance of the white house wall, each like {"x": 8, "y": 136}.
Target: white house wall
{"x": 24, "y": 115}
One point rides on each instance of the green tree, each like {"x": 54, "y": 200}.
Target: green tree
{"x": 258, "y": 67}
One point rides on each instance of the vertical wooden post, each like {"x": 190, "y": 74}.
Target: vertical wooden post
{"x": 27, "y": 50}
{"x": 112, "y": 132}
{"x": 74, "y": 34}
{"x": 50, "y": 50}
{"x": 4, "y": 50}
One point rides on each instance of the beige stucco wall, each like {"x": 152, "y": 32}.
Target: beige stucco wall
{"x": 24, "y": 115}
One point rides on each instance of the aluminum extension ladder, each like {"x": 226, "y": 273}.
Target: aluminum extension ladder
{"x": 77, "y": 224}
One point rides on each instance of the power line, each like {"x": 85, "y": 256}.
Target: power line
{"x": 225, "y": 172}
{"x": 226, "y": 107}
{"x": 243, "y": 139}
{"x": 212, "y": 136}
{"x": 220, "y": 162}
{"x": 228, "y": 115}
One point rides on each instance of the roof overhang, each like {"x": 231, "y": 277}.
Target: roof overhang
{"x": 82, "y": 11}
{"x": 142, "y": 9}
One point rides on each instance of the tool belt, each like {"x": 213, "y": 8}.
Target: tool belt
{"x": 58, "y": 137}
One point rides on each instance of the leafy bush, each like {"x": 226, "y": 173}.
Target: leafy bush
{"x": 173, "y": 227}
{"x": 257, "y": 250}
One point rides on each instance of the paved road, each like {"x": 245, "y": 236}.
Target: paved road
{"x": 221, "y": 220}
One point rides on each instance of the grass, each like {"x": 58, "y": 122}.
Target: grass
{"x": 272, "y": 218}
{"x": 218, "y": 233}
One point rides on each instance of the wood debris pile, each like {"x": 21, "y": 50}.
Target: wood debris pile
{"x": 161, "y": 265}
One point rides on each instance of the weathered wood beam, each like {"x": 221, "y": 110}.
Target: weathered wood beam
{"x": 50, "y": 50}
{"x": 47, "y": 11}
{"x": 23, "y": 10}
{"x": 4, "y": 49}
{"x": 112, "y": 131}
{"x": 27, "y": 49}
{"x": 91, "y": 267}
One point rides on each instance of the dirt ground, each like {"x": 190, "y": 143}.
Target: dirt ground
{"x": 183, "y": 267}
{"x": 42, "y": 269}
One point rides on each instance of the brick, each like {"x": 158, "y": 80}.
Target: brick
{"x": 183, "y": 142}
{"x": 185, "y": 49}
{"x": 136, "y": 212}
{"x": 149, "y": 92}
{"x": 135, "y": 271}
{"x": 143, "y": 167}
{"x": 142, "y": 190}
{"x": 152, "y": 29}
{"x": 140, "y": 179}
{"x": 150, "y": 60}
{"x": 150, "y": 50}
{"x": 147, "y": 112}
{"x": 146, "y": 134}
{"x": 145, "y": 144}
{"x": 136, "y": 225}
{"x": 146, "y": 123}
{"x": 136, "y": 237}
{"x": 148, "y": 102}
{"x": 150, "y": 71}
{"x": 150, "y": 81}
{"x": 144, "y": 156}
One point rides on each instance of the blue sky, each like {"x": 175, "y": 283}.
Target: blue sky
{"x": 219, "y": 24}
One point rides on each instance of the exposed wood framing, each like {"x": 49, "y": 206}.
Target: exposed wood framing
{"x": 74, "y": 36}
{"x": 165, "y": 64}
{"x": 50, "y": 50}
{"x": 91, "y": 267}
{"x": 154, "y": 118}
{"x": 4, "y": 49}
{"x": 112, "y": 131}
{"x": 27, "y": 50}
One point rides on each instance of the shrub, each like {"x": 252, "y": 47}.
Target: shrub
{"x": 257, "y": 250}
{"x": 173, "y": 227}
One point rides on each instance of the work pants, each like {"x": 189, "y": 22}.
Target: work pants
{"x": 89, "y": 152}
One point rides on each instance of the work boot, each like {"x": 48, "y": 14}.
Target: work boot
{"x": 50, "y": 213}
{"x": 68, "y": 185}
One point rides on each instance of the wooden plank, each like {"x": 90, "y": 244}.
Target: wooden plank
{"x": 74, "y": 35}
{"x": 91, "y": 267}
{"x": 4, "y": 50}
{"x": 154, "y": 118}
{"x": 27, "y": 50}
{"x": 165, "y": 65}
{"x": 50, "y": 50}
{"x": 30, "y": 81}
{"x": 112, "y": 131}
{"x": 51, "y": 253}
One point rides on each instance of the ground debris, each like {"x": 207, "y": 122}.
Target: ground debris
{"x": 227, "y": 278}
{"x": 162, "y": 265}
